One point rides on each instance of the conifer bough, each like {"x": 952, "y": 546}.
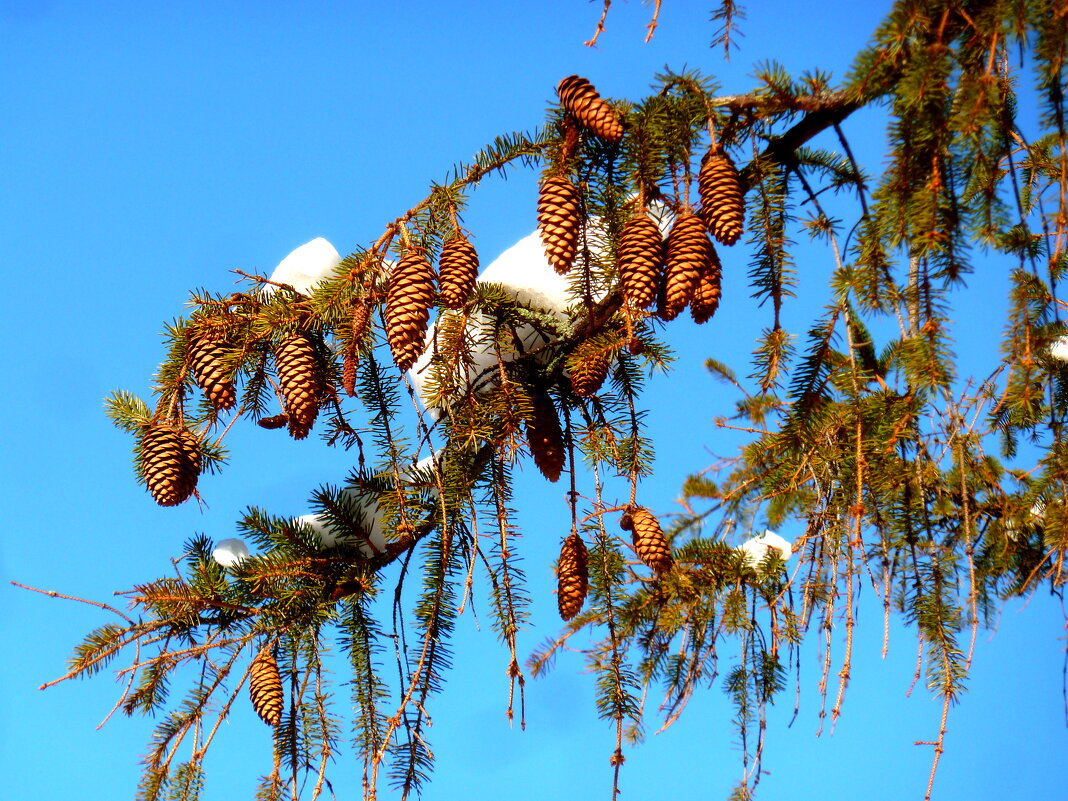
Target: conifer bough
{"x": 827, "y": 449}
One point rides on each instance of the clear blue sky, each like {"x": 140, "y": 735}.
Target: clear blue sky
{"x": 148, "y": 148}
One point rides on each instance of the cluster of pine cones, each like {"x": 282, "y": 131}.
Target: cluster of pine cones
{"x": 572, "y": 568}
{"x": 411, "y": 294}
{"x": 684, "y": 270}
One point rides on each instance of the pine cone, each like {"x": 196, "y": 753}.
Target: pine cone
{"x": 410, "y": 295}
{"x": 706, "y": 294}
{"x": 458, "y": 268}
{"x": 545, "y": 435}
{"x": 265, "y": 688}
{"x": 361, "y": 314}
{"x": 271, "y": 423}
{"x": 578, "y": 96}
{"x": 589, "y": 368}
{"x": 689, "y": 251}
{"x": 300, "y": 376}
{"x": 640, "y": 261}
{"x": 205, "y": 361}
{"x": 572, "y": 576}
{"x": 722, "y": 203}
{"x": 558, "y": 222}
{"x": 648, "y": 539}
{"x": 169, "y": 462}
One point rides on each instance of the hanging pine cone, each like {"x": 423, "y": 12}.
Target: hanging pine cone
{"x": 169, "y": 461}
{"x": 640, "y": 261}
{"x": 277, "y": 421}
{"x": 300, "y": 376}
{"x": 578, "y": 96}
{"x": 558, "y": 222}
{"x": 544, "y": 434}
{"x": 689, "y": 251}
{"x": 706, "y": 294}
{"x": 722, "y": 204}
{"x": 458, "y": 270}
{"x": 648, "y": 539}
{"x": 408, "y": 301}
{"x": 589, "y": 367}
{"x": 265, "y": 688}
{"x": 205, "y": 361}
{"x": 361, "y": 314}
{"x": 572, "y": 576}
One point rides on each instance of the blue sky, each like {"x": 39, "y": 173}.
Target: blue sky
{"x": 149, "y": 148}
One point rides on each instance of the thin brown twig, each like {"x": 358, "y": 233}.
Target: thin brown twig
{"x": 54, "y": 594}
{"x": 592, "y": 41}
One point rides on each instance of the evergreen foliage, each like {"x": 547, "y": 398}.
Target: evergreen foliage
{"x": 944, "y": 496}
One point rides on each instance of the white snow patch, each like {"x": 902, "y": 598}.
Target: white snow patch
{"x": 306, "y": 266}
{"x": 1058, "y": 348}
{"x": 756, "y": 548}
{"x": 524, "y": 272}
{"x": 230, "y": 552}
{"x": 371, "y": 518}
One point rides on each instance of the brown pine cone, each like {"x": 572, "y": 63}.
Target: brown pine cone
{"x": 169, "y": 461}
{"x": 689, "y": 251}
{"x": 544, "y": 434}
{"x": 458, "y": 270}
{"x": 205, "y": 361}
{"x": 265, "y": 688}
{"x": 648, "y": 539}
{"x": 722, "y": 199}
{"x": 361, "y": 314}
{"x": 276, "y": 421}
{"x": 300, "y": 376}
{"x": 578, "y": 96}
{"x": 558, "y": 222}
{"x": 706, "y": 294}
{"x": 572, "y": 576}
{"x": 589, "y": 367}
{"x": 640, "y": 260}
{"x": 408, "y": 302}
